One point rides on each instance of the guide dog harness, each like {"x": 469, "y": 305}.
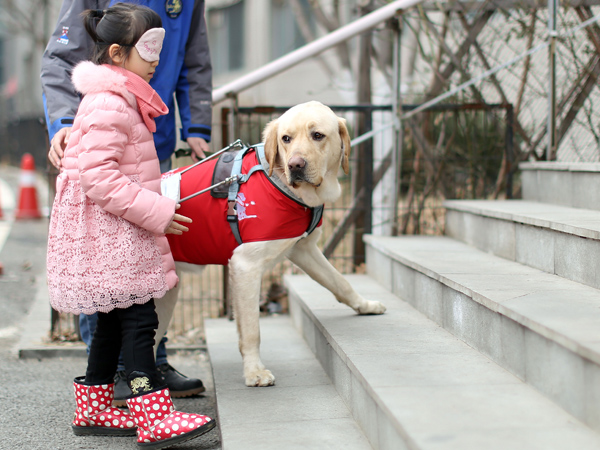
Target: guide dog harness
{"x": 246, "y": 206}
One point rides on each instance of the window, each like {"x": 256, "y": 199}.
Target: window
{"x": 286, "y": 35}
{"x": 226, "y": 37}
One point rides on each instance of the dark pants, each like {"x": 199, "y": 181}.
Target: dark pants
{"x": 128, "y": 331}
{"x": 87, "y": 326}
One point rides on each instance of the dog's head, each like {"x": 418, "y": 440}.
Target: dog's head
{"x": 305, "y": 147}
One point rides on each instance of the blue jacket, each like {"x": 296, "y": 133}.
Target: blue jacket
{"x": 184, "y": 71}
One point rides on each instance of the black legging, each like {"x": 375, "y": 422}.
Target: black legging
{"x": 128, "y": 331}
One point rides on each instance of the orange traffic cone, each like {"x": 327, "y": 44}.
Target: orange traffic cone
{"x": 28, "y": 204}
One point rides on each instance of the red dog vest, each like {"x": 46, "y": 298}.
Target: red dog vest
{"x": 264, "y": 214}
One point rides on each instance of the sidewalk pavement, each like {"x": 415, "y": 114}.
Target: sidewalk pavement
{"x": 36, "y": 393}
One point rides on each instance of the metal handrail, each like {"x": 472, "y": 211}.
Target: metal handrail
{"x": 311, "y": 49}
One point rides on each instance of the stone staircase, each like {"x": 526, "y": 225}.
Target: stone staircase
{"x": 491, "y": 339}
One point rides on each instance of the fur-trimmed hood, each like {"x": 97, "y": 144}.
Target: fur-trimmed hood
{"x": 89, "y": 78}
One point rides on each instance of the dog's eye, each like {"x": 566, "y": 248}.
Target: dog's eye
{"x": 286, "y": 139}
{"x": 318, "y": 136}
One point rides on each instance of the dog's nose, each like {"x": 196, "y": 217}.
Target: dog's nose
{"x": 296, "y": 164}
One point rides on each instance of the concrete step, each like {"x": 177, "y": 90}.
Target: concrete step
{"x": 413, "y": 385}
{"x": 303, "y": 409}
{"x": 556, "y": 239}
{"x": 540, "y": 327}
{"x": 569, "y": 184}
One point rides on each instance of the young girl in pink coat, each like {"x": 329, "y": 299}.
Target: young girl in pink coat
{"x": 107, "y": 250}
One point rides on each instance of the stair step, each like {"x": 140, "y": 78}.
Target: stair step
{"x": 303, "y": 409}
{"x": 412, "y": 384}
{"x": 556, "y": 239}
{"x": 568, "y": 184}
{"x": 540, "y": 327}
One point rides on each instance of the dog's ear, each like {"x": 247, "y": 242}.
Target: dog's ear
{"x": 345, "y": 144}
{"x": 270, "y": 140}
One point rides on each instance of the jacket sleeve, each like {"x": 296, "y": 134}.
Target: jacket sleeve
{"x": 68, "y": 45}
{"x": 104, "y": 137}
{"x": 194, "y": 86}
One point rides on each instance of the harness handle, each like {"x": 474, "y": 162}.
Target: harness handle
{"x": 227, "y": 180}
{"x": 237, "y": 143}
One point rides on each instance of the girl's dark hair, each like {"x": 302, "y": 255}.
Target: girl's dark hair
{"x": 122, "y": 23}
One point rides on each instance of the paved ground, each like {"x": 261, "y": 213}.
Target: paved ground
{"x": 36, "y": 403}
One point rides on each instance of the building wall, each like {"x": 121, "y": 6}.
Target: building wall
{"x": 24, "y": 30}
{"x": 306, "y": 81}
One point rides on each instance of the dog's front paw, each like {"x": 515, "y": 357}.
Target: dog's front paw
{"x": 260, "y": 378}
{"x": 371, "y": 307}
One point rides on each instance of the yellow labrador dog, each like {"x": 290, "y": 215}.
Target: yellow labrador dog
{"x": 303, "y": 149}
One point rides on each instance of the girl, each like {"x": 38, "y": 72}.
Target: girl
{"x": 107, "y": 250}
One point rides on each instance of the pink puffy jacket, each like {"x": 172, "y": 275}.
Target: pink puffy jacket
{"x": 111, "y": 153}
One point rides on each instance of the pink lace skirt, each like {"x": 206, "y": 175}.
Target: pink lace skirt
{"x": 96, "y": 260}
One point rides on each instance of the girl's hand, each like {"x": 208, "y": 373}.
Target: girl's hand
{"x": 177, "y": 228}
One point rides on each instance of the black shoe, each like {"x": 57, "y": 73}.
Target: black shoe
{"x": 122, "y": 390}
{"x": 178, "y": 383}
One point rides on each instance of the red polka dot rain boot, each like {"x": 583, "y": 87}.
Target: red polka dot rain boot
{"x": 95, "y": 414}
{"x": 160, "y": 426}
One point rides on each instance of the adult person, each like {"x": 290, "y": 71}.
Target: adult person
{"x": 184, "y": 74}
